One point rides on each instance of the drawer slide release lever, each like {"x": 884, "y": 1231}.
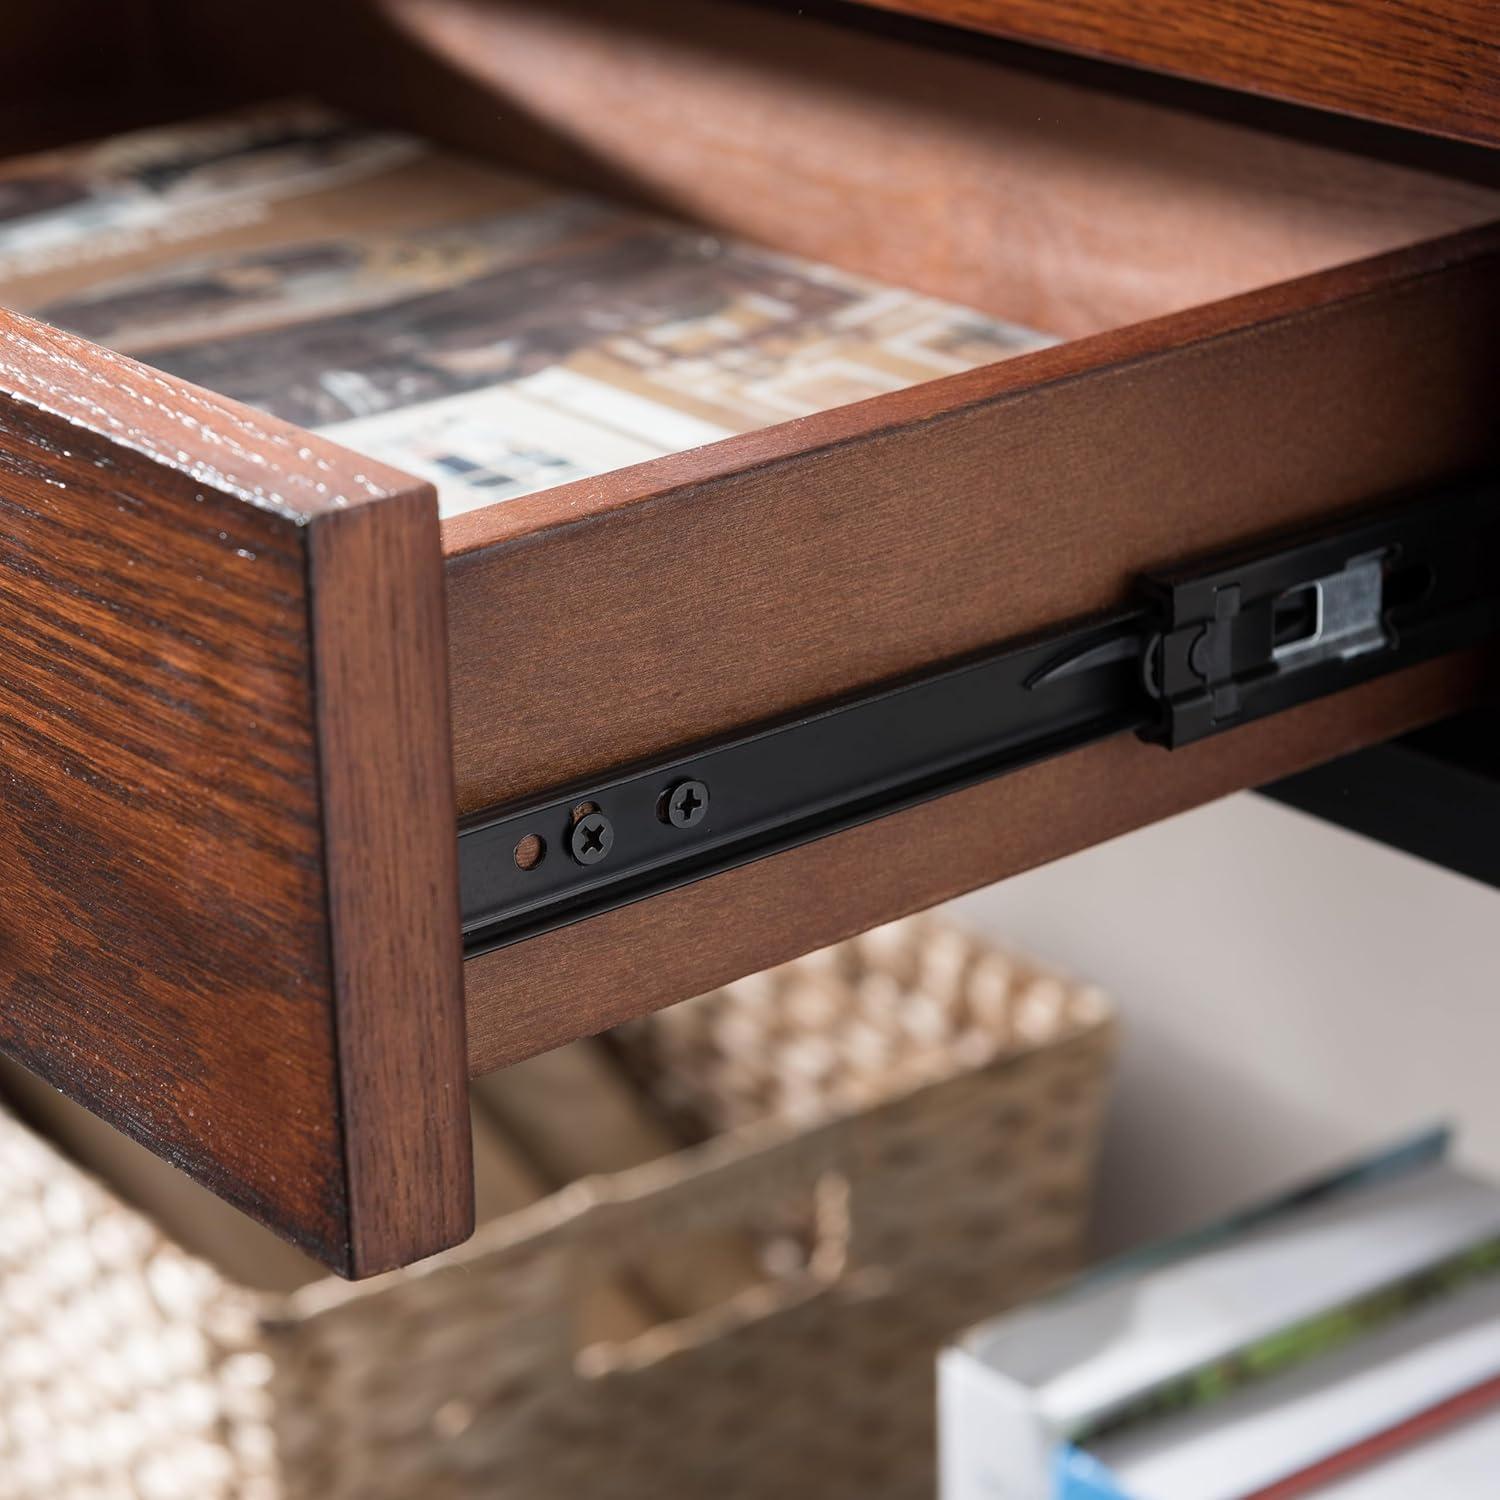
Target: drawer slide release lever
{"x": 1252, "y": 635}
{"x": 1203, "y": 649}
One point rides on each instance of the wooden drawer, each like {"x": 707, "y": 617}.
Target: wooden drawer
{"x": 250, "y": 681}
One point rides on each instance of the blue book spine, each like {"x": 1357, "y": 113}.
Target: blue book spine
{"x": 1077, "y": 1475}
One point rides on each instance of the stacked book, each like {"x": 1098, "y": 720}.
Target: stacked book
{"x": 1341, "y": 1343}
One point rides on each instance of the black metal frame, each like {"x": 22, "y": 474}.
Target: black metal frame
{"x": 1208, "y": 647}
{"x": 1434, "y": 794}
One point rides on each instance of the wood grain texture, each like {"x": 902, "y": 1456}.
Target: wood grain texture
{"x": 379, "y": 640}
{"x": 1432, "y": 66}
{"x": 736, "y": 583}
{"x": 222, "y": 927}
{"x": 530, "y": 997}
{"x": 228, "y": 808}
{"x": 1063, "y": 207}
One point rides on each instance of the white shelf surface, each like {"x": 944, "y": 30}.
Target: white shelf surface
{"x": 1291, "y": 995}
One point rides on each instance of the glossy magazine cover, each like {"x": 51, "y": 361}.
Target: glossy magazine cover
{"x": 488, "y": 332}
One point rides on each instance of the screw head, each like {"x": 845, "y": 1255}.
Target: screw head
{"x": 685, "y": 805}
{"x": 591, "y": 838}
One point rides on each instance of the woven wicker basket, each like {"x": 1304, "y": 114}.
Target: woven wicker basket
{"x": 928, "y": 1108}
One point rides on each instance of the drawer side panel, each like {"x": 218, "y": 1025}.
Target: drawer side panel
{"x": 608, "y": 623}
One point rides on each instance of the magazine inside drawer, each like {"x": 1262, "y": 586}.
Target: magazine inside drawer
{"x": 478, "y": 327}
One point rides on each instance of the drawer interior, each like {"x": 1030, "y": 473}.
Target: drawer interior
{"x": 1059, "y": 205}
{"x": 480, "y": 328}
{"x": 493, "y": 270}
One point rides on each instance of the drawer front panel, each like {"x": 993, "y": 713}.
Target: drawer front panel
{"x": 230, "y": 916}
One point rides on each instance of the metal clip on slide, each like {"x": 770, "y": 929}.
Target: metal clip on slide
{"x": 1253, "y": 635}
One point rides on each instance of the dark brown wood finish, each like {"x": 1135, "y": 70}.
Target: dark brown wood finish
{"x": 53, "y": 90}
{"x": 1064, "y": 207}
{"x": 379, "y": 644}
{"x": 229, "y": 918}
{"x": 227, "y": 811}
{"x": 738, "y": 582}
{"x": 52, "y": 87}
{"x": 1432, "y": 66}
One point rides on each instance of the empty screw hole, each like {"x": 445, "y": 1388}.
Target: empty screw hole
{"x": 583, "y": 810}
{"x": 529, "y": 852}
